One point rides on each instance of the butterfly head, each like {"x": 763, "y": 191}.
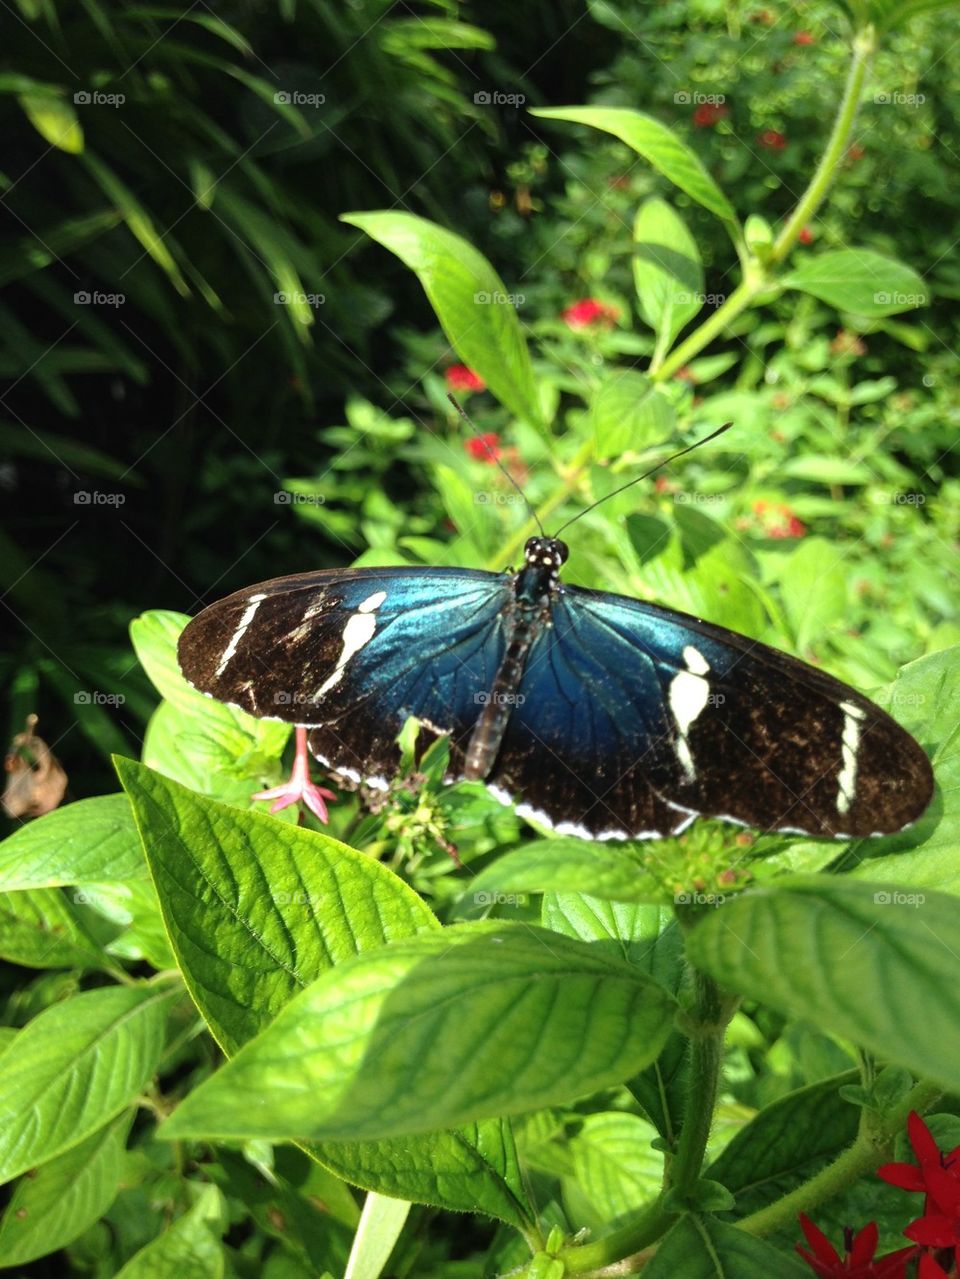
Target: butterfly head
{"x": 545, "y": 552}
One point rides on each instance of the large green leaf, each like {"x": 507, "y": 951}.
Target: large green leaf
{"x": 51, "y": 1208}
{"x": 701, "y": 1248}
{"x": 629, "y": 412}
{"x": 860, "y": 281}
{"x": 667, "y": 270}
{"x": 814, "y": 586}
{"x": 615, "y": 1166}
{"x": 73, "y": 1068}
{"x": 255, "y": 910}
{"x": 874, "y": 964}
{"x": 657, "y": 144}
{"x": 93, "y": 840}
{"x": 483, "y": 1019}
{"x": 568, "y": 866}
{"x": 471, "y": 302}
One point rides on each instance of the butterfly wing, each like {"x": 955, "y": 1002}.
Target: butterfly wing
{"x": 352, "y": 653}
{"x": 635, "y": 717}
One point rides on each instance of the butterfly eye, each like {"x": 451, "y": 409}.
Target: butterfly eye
{"x": 562, "y": 551}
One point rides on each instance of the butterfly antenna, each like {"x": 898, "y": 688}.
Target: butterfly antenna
{"x": 493, "y": 458}
{"x": 630, "y": 483}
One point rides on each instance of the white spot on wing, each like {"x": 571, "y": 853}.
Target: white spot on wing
{"x": 358, "y": 631}
{"x": 249, "y": 613}
{"x": 688, "y": 695}
{"x": 853, "y": 717}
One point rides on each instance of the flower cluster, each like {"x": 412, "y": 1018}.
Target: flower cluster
{"x": 589, "y": 313}
{"x": 935, "y": 1235}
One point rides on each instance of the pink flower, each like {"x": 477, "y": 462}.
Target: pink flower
{"x": 484, "y": 448}
{"x": 459, "y": 378}
{"x": 588, "y": 312}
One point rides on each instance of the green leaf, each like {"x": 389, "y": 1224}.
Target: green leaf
{"x": 924, "y": 698}
{"x": 814, "y": 586}
{"x": 873, "y": 964}
{"x": 657, "y": 144}
{"x": 65, "y": 1196}
{"x": 616, "y": 1167}
{"x": 827, "y": 470}
{"x": 667, "y": 270}
{"x": 255, "y": 910}
{"x": 40, "y": 929}
{"x": 190, "y": 1248}
{"x": 569, "y": 865}
{"x": 91, "y": 840}
{"x": 54, "y": 119}
{"x": 786, "y": 1143}
{"x": 701, "y": 1248}
{"x": 629, "y": 412}
{"x": 860, "y": 281}
{"x": 484, "y": 1019}
{"x": 381, "y": 1225}
{"x": 73, "y": 1068}
{"x": 470, "y": 300}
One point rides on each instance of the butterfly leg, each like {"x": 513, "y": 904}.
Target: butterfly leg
{"x": 299, "y": 789}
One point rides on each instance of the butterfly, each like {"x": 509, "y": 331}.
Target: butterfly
{"x": 597, "y": 715}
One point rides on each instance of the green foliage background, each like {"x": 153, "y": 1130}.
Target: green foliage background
{"x": 825, "y": 522}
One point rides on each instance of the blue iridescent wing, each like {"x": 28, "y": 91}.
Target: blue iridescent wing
{"x": 352, "y": 653}
{"x": 634, "y": 718}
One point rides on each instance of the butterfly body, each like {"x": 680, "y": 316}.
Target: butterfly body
{"x": 597, "y": 714}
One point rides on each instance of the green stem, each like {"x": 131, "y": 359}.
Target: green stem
{"x": 872, "y": 1146}
{"x": 864, "y": 45}
{"x": 758, "y": 276}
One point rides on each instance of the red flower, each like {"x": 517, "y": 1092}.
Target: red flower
{"x": 855, "y": 152}
{"x": 777, "y": 520}
{"x": 772, "y": 140}
{"x": 484, "y": 448}
{"x": 805, "y": 236}
{"x": 460, "y": 378}
{"x": 804, "y": 37}
{"x": 709, "y": 114}
{"x": 929, "y": 1268}
{"x": 587, "y": 312}
{"x": 858, "y": 1261}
